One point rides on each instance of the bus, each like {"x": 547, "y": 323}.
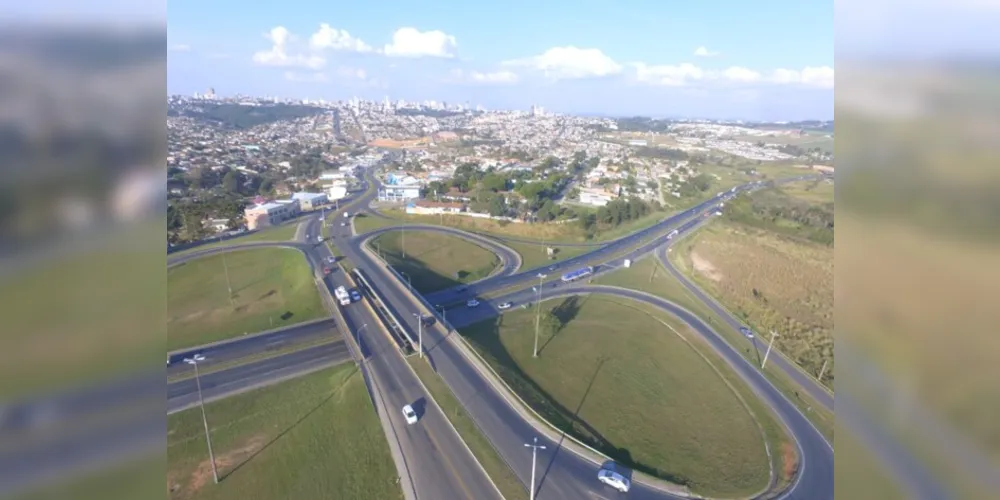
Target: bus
{"x": 579, "y": 273}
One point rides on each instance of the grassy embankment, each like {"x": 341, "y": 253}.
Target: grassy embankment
{"x": 435, "y": 261}
{"x": 271, "y": 287}
{"x": 637, "y": 385}
{"x": 313, "y": 437}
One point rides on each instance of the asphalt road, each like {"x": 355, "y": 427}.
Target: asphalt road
{"x": 437, "y": 461}
{"x": 183, "y": 394}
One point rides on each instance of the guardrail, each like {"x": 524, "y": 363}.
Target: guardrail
{"x": 401, "y": 335}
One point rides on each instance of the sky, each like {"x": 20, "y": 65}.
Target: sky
{"x": 709, "y": 59}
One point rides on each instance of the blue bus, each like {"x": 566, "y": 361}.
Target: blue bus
{"x": 579, "y": 273}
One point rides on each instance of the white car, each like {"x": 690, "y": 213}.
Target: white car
{"x": 409, "y": 414}
{"x": 331, "y": 259}
{"x": 472, "y": 303}
{"x": 614, "y": 480}
{"x": 505, "y": 305}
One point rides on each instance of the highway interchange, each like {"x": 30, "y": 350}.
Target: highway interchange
{"x": 569, "y": 470}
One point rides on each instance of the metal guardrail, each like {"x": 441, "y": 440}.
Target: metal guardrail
{"x": 401, "y": 335}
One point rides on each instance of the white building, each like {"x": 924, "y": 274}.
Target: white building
{"x": 399, "y": 192}
{"x": 310, "y": 201}
{"x": 336, "y": 191}
{"x": 595, "y": 197}
{"x": 268, "y": 214}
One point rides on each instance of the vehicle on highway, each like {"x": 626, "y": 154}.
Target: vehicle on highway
{"x": 748, "y": 333}
{"x": 331, "y": 259}
{"x": 355, "y": 296}
{"x": 461, "y": 289}
{"x": 614, "y": 480}
{"x": 342, "y": 296}
{"x": 319, "y": 239}
{"x": 579, "y": 273}
{"x": 427, "y": 320}
{"x": 472, "y": 303}
{"x": 409, "y": 414}
{"x": 343, "y": 224}
{"x": 347, "y": 214}
{"x": 505, "y": 305}
{"x": 326, "y": 270}
{"x": 553, "y": 267}
{"x": 672, "y": 234}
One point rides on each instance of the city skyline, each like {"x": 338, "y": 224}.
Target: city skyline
{"x": 721, "y": 61}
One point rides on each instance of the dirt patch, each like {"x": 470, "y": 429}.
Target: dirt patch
{"x": 202, "y": 473}
{"x": 705, "y": 267}
{"x": 789, "y": 461}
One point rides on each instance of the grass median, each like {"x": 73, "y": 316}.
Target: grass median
{"x": 495, "y": 467}
{"x": 435, "y": 261}
{"x": 625, "y": 380}
{"x": 314, "y": 437}
{"x": 283, "y": 232}
{"x": 271, "y": 288}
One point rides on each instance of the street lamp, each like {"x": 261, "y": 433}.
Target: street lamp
{"x": 444, "y": 312}
{"x": 408, "y": 282}
{"x": 420, "y": 333}
{"x": 534, "y": 452}
{"x": 194, "y": 360}
{"x": 538, "y": 308}
{"x": 768, "y": 351}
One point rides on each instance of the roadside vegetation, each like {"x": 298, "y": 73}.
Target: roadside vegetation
{"x": 435, "y": 261}
{"x": 271, "y": 288}
{"x": 314, "y": 437}
{"x": 605, "y": 366}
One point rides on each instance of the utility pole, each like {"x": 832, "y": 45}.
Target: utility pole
{"x": 211, "y": 457}
{"x": 404, "y": 239}
{"x": 534, "y": 457}
{"x": 229, "y": 284}
{"x": 538, "y": 309}
{"x": 766, "y": 353}
{"x": 822, "y": 371}
{"x": 420, "y": 334}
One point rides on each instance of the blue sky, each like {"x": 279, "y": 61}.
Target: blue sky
{"x": 720, "y": 59}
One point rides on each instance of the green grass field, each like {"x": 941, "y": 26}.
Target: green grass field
{"x": 272, "y": 287}
{"x": 649, "y": 276}
{"x": 608, "y": 369}
{"x": 435, "y": 261}
{"x": 314, "y": 437}
{"x": 495, "y": 467}
{"x": 820, "y": 191}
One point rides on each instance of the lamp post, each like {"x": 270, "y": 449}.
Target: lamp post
{"x": 194, "y": 360}
{"x": 538, "y": 309}
{"x": 408, "y": 282}
{"x": 534, "y": 456}
{"x": 420, "y": 334}
{"x": 768, "y": 351}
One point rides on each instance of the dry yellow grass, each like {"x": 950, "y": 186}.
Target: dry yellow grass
{"x": 772, "y": 283}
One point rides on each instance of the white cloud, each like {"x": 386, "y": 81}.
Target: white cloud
{"x": 305, "y": 78}
{"x": 668, "y": 75}
{"x": 740, "y": 74}
{"x": 570, "y": 62}
{"x": 179, "y": 47}
{"x": 411, "y": 42}
{"x": 352, "y": 73}
{"x": 278, "y": 55}
{"x": 332, "y": 38}
{"x": 821, "y": 76}
{"x": 495, "y": 77}
{"x": 704, "y": 52}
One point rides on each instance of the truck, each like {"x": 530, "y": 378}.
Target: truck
{"x": 672, "y": 234}
{"x": 342, "y": 296}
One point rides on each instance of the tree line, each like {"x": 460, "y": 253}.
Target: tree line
{"x": 776, "y": 211}
{"x": 243, "y": 117}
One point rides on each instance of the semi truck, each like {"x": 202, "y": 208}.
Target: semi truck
{"x": 342, "y": 296}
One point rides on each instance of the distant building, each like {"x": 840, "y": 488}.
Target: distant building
{"x": 595, "y": 197}
{"x": 399, "y": 193}
{"x": 217, "y": 225}
{"x": 269, "y": 214}
{"x": 336, "y": 191}
{"x": 311, "y": 201}
{"x": 424, "y": 207}
{"x": 637, "y": 142}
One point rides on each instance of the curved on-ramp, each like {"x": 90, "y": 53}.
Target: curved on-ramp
{"x": 814, "y": 479}
{"x": 510, "y": 259}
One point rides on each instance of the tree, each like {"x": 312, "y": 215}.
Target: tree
{"x": 652, "y": 185}
{"x": 497, "y": 206}
{"x": 266, "y": 186}
{"x": 231, "y": 182}
{"x": 495, "y": 182}
{"x": 549, "y": 324}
